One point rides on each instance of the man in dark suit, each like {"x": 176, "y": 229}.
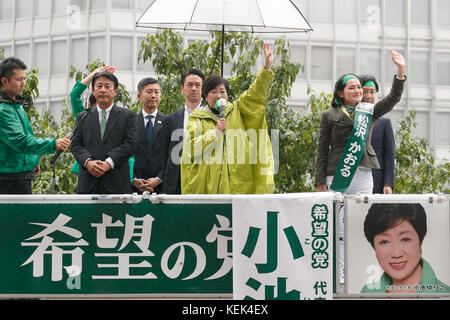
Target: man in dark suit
{"x": 173, "y": 128}
{"x": 147, "y": 166}
{"x": 384, "y": 145}
{"x": 104, "y": 141}
{"x": 382, "y": 142}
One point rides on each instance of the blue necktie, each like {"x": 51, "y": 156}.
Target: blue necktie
{"x": 149, "y": 128}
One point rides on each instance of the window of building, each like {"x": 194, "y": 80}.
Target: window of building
{"x": 42, "y": 8}
{"x": 141, "y": 5}
{"x": 6, "y": 51}
{"x": 97, "y": 49}
{"x": 60, "y": 7}
{"x": 40, "y": 56}
{"x": 420, "y": 67}
{"x": 443, "y": 13}
{"x": 78, "y": 53}
{"x": 6, "y": 7}
{"x": 442, "y": 129}
{"x": 81, "y": 4}
{"x": 59, "y": 57}
{"x": 40, "y": 107}
{"x": 346, "y": 11}
{"x": 122, "y": 52}
{"x": 97, "y": 4}
{"x": 298, "y": 55}
{"x": 390, "y": 67}
{"x": 396, "y": 115}
{"x": 64, "y": 6}
{"x": 56, "y": 109}
{"x": 370, "y": 61}
{"x": 443, "y": 68}
{"x": 24, "y": 8}
{"x": 121, "y": 4}
{"x": 322, "y": 63}
{"x": 395, "y": 11}
{"x": 370, "y": 11}
{"x": 22, "y": 52}
{"x": 420, "y": 12}
{"x": 322, "y": 11}
{"x": 422, "y": 119}
{"x": 345, "y": 61}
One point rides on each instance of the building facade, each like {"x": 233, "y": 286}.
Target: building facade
{"x": 349, "y": 36}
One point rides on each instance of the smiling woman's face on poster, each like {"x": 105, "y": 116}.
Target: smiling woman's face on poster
{"x": 398, "y": 251}
{"x": 397, "y": 244}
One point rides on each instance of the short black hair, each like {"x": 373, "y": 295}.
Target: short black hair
{"x": 8, "y": 66}
{"x": 191, "y": 72}
{"x": 92, "y": 100}
{"x": 146, "y": 81}
{"x": 368, "y": 77}
{"x": 105, "y": 74}
{"x": 383, "y": 216}
{"x": 212, "y": 82}
{"x": 339, "y": 86}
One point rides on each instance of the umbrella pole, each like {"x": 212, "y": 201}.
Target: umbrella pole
{"x": 223, "y": 48}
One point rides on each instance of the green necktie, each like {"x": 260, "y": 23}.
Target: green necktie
{"x": 103, "y": 123}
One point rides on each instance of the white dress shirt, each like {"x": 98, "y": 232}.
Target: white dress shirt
{"x": 145, "y": 114}
{"x": 187, "y": 112}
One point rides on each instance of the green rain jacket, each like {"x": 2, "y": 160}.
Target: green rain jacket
{"x": 19, "y": 148}
{"x": 429, "y": 283}
{"x": 245, "y": 165}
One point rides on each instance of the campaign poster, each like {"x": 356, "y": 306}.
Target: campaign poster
{"x": 283, "y": 247}
{"x": 397, "y": 244}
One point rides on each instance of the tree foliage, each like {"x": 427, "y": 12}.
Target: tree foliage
{"x": 298, "y": 144}
{"x": 416, "y": 168}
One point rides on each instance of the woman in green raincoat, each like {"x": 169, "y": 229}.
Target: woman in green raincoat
{"x": 230, "y": 154}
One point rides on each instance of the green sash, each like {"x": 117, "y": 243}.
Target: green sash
{"x": 354, "y": 149}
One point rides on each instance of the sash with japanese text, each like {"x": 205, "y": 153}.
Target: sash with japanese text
{"x": 354, "y": 148}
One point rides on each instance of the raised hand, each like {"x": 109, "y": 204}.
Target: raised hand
{"x": 88, "y": 79}
{"x": 400, "y": 62}
{"x": 268, "y": 53}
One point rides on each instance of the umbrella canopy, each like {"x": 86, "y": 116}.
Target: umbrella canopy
{"x": 259, "y": 16}
{"x": 256, "y": 16}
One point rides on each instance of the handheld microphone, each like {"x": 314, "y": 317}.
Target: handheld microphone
{"x": 220, "y": 106}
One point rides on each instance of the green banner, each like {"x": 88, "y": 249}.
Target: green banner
{"x": 115, "y": 248}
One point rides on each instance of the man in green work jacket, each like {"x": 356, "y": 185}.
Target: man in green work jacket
{"x": 19, "y": 148}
